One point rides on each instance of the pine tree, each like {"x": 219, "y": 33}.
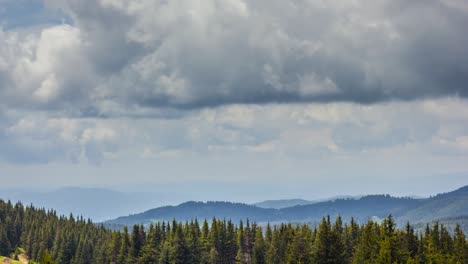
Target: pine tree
{"x": 123, "y": 255}
{"x": 5, "y": 245}
{"x": 433, "y": 246}
{"x": 150, "y": 250}
{"x": 194, "y": 243}
{"x": 460, "y": 254}
{"x": 446, "y": 242}
{"x": 166, "y": 254}
{"x": 338, "y": 247}
{"x": 214, "y": 253}
{"x": 114, "y": 246}
{"x": 180, "y": 252}
{"x": 300, "y": 250}
{"x": 367, "y": 249}
{"x": 231, "y": 244}
{"x": 388, "y": 249}
{"x": 46, "y": 258}
{"x": 206, "y": 243}
{"x": 350, "y": 239}
{"x": 248, "y": 242}
{"x": 241, "y": 251}
{"x": 385, "y": 252}
{"x": 259, "y": 248}
{"x": 136, "y": 242}
{"x": 328, "y": 245}
{"x": 411, "y": 241}
{"x": 272, "y": 255}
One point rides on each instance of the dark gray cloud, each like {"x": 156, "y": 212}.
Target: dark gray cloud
{"x": 120, "y": 55}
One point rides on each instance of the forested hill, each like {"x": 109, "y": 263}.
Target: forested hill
{"x": 448, "y": 205}
{"x": 278, "y": 204}
{"x": 48, "y": 238}
{"x": 284, "y": 203}
{"x": 200, "y": 210}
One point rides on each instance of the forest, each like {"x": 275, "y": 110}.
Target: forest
{"x": 50, "y": 238}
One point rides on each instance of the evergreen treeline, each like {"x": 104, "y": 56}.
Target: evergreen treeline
{"x": 49, "y": 238}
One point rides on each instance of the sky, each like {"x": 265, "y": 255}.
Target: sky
{"x": 239, "y": 100}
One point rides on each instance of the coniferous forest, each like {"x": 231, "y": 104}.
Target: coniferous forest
{"x": 49, "y": 238}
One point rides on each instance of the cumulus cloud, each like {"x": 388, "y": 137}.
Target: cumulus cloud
{"x": 37, "y": 138}
{"x": 280, "y": 131}
{"x": 314, "y": 130}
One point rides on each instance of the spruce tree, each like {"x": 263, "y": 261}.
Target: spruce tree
{"x": 180, "y": 252}
{"x": 123, "y": 255}
{"x": 300, "y": 250}
{"x": 326, "y": 248}
{"x": 46, "y": 258}
{"x": 259, "y": 248}
{"x": 411, "y": 241}
{"x": 460, "y": 254}
{"x": 151, "y": 249}
{"x": 136, "y": 242}
{"x": 368, "y": 248}
{"x": 241, "y": 247}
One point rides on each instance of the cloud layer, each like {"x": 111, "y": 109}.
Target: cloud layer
{"x": 435, "y": 128}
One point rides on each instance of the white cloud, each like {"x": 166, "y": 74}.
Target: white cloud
{"x": 45, "y": 69}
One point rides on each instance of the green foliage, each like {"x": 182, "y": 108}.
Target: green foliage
{"x": 48, "y": 238}
{"x": 368, "y": 246}
{"x": 2, "y": 259}
{"x": 46, "y": 258}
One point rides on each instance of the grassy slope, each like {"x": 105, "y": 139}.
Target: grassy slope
{"x": 11, "y": 260}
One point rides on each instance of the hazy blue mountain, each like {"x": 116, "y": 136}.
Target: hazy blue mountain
{"x": 362, "y": 209}
{"x": 443, "y": 206}
{"x": 102, "y": 204}
{"x": 283, "y": 203}
{"x": 446, "y": 205}
{"x": 278, "y": 204}
{"x": 199, "y": 210}
{"x": 96, "y": 203}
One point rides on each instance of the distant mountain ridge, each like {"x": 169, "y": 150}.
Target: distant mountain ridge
{"x": 278, "y": 204}
{"x": 448, "y": 205}
{"x": 445, "y": 205}
{"x": 197, "y": 210}
{"x": 283, "y": 203}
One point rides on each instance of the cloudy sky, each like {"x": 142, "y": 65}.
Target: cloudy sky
{"x": 235, "y": 99}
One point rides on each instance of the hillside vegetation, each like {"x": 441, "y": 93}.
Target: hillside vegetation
{"x": 49, "y": 238}
{"x": 7, "y": 260}
{"x": 443, "y": 206}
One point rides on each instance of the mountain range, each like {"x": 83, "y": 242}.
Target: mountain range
{"x": 283, "y": 203}
{"x": 443, "y": 207}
